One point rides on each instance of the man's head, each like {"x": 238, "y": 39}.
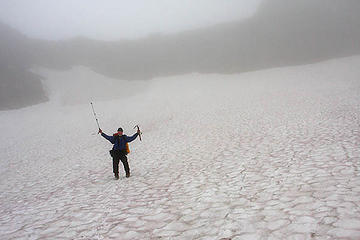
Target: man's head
{"x": 120, "y": 131}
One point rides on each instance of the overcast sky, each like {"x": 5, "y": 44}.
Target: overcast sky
{"x": 116, "y": 19}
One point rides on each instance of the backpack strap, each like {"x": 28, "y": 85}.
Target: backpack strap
{"x": 118, "y": 139}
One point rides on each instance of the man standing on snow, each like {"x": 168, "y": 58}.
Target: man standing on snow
{"x": 119, "y": 150}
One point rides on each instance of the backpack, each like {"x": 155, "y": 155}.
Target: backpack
{"x": 113, "y": 152}
{"x": 126, "y": 144}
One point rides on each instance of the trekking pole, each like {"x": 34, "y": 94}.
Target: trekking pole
{"x": 137, "y": 126}
{"x": 97, "y": 121}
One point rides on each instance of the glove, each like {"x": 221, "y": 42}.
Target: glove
{"x": 100, "y": 131}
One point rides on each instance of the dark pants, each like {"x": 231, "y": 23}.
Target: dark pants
{"x": 117, "y": 157}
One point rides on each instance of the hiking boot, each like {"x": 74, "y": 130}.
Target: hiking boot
{"x": 116, "y": 176}
{"x": 127, "y": 175}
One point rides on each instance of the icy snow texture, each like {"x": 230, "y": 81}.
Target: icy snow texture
{"x": 264, "y": 155}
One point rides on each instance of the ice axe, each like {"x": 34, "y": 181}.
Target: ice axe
{"x": 97, "y": 121}
{"x": 137, "y": 126}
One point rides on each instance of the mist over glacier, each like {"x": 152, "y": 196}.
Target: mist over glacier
{"x": 278, "y": 34}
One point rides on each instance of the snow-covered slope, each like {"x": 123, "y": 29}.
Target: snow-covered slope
{"x": 271, "y": 154}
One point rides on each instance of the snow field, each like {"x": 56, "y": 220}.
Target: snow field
{"x": 272, "y": 154}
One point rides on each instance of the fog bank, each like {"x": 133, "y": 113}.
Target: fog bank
{"x": 281, "y": 33}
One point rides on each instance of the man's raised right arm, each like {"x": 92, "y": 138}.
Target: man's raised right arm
{"x": 110, "y": 138}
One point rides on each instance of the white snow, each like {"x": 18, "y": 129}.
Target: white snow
{"x": 272, "y": 154}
